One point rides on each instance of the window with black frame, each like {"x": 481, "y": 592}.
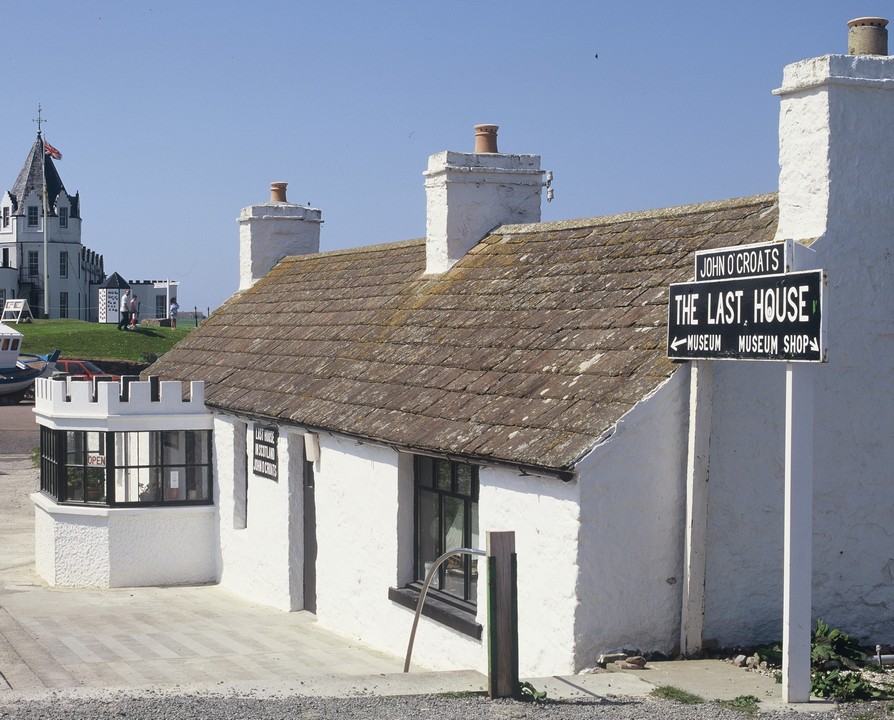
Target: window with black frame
{"x": 85, "y": 466}
{"x": 446, "y": 518}
{"x": 163, "y": 466}
{"x": 144, "y": 467}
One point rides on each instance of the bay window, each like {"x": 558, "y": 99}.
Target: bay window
{"x": 154, "y": 467}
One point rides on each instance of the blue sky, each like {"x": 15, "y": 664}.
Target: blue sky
{"x": 173, "y": 115}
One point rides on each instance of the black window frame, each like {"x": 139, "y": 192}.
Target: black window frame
{"x": 63, "y": 217}
{"x": 59, "y": 462}
{"x": 438, "y": 588}
{"x": 33, "y": 263}
{"x": 33, "y": 216}
{"x": 63, "y": 263}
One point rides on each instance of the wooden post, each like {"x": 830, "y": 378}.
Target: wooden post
{"x": 502, "y": 610}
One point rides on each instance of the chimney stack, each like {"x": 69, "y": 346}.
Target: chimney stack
{"x": 469, "y": 194}
{"x": 270, "y": 231}
{"x": 867, "y": 36}
{"x": 836, "y": 122}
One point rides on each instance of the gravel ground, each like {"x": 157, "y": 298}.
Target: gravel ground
{"x": 153, "y": 706}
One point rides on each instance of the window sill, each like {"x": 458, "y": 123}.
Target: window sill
{"x": 437, "y": 610}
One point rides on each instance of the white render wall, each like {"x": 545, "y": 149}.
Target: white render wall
{"x": 261, "y": 561}
{"x": 743, "y": 589}
{"x": 633, "y": 500}
{"x": 836, "y": 185}
{"x": 364, "y": 515}
{"x": 81, "y": 546}
{"x": 545, "y": 514}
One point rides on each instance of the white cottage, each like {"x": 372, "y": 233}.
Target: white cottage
{"x": 375, "y": 407}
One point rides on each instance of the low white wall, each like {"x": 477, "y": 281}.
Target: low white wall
{"x": 633, "y": 499}
{"x": 82, "y": 546}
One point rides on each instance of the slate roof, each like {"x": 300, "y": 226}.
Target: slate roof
{"x": 115, "y": 281}
{"x": 38, "y": 165}
{"x": 526, "y": 352}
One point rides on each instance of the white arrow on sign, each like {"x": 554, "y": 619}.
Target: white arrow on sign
{"x": 676, "y": 343}
{"x": 814, "y": 345}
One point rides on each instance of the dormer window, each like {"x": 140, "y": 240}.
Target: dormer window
{"x": 6, "y": 217}
{"x": 32, "y": 216}
{"x": 63, "y": 217}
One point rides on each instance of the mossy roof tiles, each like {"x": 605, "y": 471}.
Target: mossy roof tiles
{"x": 526, "y": 352}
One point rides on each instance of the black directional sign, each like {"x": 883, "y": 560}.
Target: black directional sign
{"x": 773, "y": 317}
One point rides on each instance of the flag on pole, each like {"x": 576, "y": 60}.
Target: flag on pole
{"x": 51, "y": 151}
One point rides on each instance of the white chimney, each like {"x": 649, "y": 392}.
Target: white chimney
{"x": 469, "y": 194}
{"x": 836, "y": 138}
{"x": 270, "y": 231}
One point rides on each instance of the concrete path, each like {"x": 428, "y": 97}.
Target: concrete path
{"x": 204, "y": 639}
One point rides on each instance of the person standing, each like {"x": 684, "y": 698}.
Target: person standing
{"x": 172, "y": 312}
{"x": 134, "y": 310}
{"x": 124, "y": 311}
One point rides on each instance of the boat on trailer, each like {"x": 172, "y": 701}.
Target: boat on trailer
{"x": 19, "y": 370}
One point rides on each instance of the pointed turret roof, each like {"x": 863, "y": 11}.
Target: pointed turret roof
{"x": 115, "y": 281}
{"x": 38, "y": 168}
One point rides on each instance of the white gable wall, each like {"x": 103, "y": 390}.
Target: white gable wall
{"x": 633, "y": 499}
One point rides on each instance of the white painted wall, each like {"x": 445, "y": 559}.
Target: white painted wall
{"x": 836, "y": 154}
{"x": 544, "y": 513}
{"x": 632, "y": 495}
{"x": 743, "y": 593}
{"x": 261, "y": 560}
{"x": 364, "y": 500}
{"x": 82, "y": 546}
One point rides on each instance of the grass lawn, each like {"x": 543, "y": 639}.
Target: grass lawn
{"x": 96, "y": 341}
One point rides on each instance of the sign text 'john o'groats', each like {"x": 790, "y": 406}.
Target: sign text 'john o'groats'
{"x": 774, "y": 317}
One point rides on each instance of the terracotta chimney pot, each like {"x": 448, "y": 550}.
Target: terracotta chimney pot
{"x": 486, "y": 138}
{"x": 867, "y": 36}
{"x": 278, "y": 192}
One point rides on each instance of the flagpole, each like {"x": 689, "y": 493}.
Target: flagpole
{"x": 46, "y": 257}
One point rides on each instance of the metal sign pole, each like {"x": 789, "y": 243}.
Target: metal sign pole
{"x": 797, "y": 592}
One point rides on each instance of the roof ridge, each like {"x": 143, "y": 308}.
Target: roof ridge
{"x": 663, "y": 213}
{"x": 377, "y": 247}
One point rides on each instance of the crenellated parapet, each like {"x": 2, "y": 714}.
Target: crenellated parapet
{"x": 128, "y": 404}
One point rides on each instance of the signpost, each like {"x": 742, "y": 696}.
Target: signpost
{"x": 747, "y": 303}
